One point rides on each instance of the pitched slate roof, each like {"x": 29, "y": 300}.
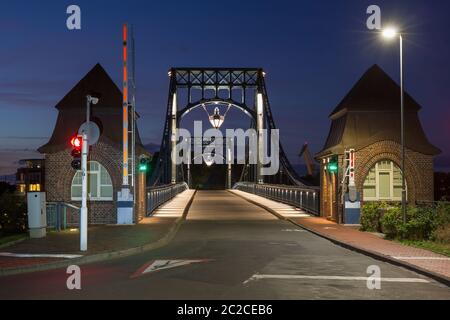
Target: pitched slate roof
{"x": 107, "y": 113}
{"x": 375, "y": 91}
{"x": 370, "y": 113}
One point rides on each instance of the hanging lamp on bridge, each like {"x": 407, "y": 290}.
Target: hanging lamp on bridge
{"x": 216, "y": 119}
{"x": 209, "y": 160}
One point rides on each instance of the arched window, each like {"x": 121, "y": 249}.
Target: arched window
{"x": 99, "y": 184}
{"x": 383, "y": 182}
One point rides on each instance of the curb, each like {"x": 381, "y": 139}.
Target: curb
{"x": 107, "y": 255}
{"x": 375, "y": 255}
{"x": 6, "y": 245}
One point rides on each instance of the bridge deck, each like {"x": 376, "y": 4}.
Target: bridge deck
{"x": 223, "y": 205}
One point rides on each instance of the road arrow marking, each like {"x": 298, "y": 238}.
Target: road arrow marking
{"x": 158, "y": 265}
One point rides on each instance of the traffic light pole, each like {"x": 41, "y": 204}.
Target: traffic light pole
{"x": 84, "y": 191}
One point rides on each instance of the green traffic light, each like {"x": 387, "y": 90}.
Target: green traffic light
{"x": 143, "y": 167}
{"x": 332, "y": 167}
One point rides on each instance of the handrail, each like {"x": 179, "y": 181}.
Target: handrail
{"x": 57, "y": 214}
{"x": 305, "y": 198}
{"x": 157, "y": 196}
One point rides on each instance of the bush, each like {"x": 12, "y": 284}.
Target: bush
{"x": 442, "y": 223}
{"x": 371, "y": 216}
{"x": 392, "y": 222}
{"x": 421, "y": 223}
{"x": 442, "y": 234}
{"x": 443, "y": 214}
{"x": 13, "y": 214}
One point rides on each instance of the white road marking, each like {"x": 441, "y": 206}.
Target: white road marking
{"x": 158, "y": 265}
{"x": 284, "y": 244}
{"x": 422, "y": 258}
{"x": 340, "y": 278}
{"x": 27, "y": 255}
{"x": 293, "y": 230}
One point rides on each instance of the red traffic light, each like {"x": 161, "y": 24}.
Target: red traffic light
{"x": 76, "y": 142}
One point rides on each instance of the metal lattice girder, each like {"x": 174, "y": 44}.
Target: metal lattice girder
{"x": 216, "y": 78}
{"x": 219, "y": 79}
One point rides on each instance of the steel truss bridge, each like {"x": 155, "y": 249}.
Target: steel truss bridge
{"x": 241, "y": 88}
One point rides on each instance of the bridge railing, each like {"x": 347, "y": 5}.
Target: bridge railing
{"x": 307, "y": 199}
{"x": 157, "y": 196}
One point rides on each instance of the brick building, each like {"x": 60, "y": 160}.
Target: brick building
{"x": 368, "y": 120}
{"x": 63, "y": 184}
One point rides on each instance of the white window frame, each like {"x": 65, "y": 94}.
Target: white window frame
{"x": 99, "y": 184}
{"x": 390, "y": 171}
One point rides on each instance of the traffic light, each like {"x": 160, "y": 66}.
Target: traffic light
{"x": 76, "y": 143}
{"x": 333, "y": 165}
{"x": 143, "y": 165}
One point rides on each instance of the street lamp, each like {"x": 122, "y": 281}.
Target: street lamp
{"x": 392, "y": 33}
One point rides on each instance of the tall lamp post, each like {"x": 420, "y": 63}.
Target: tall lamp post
{"x": 392, "y": 33}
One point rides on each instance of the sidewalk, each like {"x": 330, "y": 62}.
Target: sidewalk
{"x": 420, "y": 260}
{"x": 60, "y": 248}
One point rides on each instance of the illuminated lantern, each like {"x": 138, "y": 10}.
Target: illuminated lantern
{"x": 216, "y": 119}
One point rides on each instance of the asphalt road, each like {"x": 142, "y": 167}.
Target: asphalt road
{"x": 240, "y": 251}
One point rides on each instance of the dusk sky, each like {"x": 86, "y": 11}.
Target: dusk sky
{"x": 313, "y": 53}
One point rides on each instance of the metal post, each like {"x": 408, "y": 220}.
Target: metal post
{"x": 84, "y": 182}
{"x": 189, "y": 174}
{"x": 88, "y": 114}
{"x": 125, "y": 181}
{"x": 403, "y": 131}
{"x": 229, "y": 167}
{"x": 125, "y": 197}
{"x": 174, "y": 139}
{"x": 260, "y": 138}
{"x": 188, "y": 159}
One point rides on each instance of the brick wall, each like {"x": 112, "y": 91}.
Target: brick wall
{"x": 418, "y": 169}
{"x": 59, "y": 175}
